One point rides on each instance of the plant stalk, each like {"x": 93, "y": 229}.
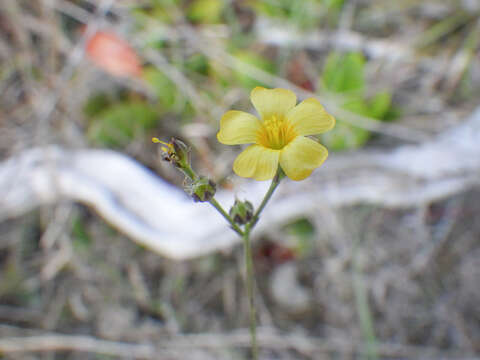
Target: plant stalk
{"x": 250, "y": 290}
{"x": 250, "y": 273}
{"x": 245, "y": 234}
{"x": 275, "y": 182}
{"x": 227, "y": 217}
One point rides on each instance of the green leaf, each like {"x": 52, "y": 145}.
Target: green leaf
{"x": 379, "y": 105}
{"x": 164, "y": 88}
{"x": 96, "y": 104}
{"x": 205, "y": 11}
{"x": 121, "y": 123}
{"x": 254, "y": 59}
{"x": 344, "y": 73}
{"x": 301, "y": 14}
{"x": 81, "y": 239}
{"x": 270, "y": 8}
{"x": 197, "y": 63}
{"x": 333, "y": 4}
{"x": 302, "y": 232}
{"x": 357, "y": 106}
{"x": 345, "y": 137}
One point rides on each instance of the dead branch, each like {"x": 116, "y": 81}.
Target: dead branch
{"x": 268, "y": 339}
{"x": 57, "y": 342}
{"x": 154, "y": 213}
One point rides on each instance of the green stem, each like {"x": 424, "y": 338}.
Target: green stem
{"x": 227, "y": 217}
{"x": 188, "y": 171}
{"x": 275, "y": 182}
{"x": 250, "y": 289}
{"x": 250, "y": 276}
{"x": 363, "y": 309}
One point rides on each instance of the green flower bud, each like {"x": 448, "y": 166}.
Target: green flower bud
{"x": 175, "y": 151}
{"x": 203, "y": 189}
{"x": 181, "y": 152}
{"x": 241, "y": 212}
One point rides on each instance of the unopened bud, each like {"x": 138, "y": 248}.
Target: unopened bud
{"x": 203, "y": 189}
{"x": 181, "y": 151}
{"x": 241, "y": 212}
{"x": 175, "y": 151}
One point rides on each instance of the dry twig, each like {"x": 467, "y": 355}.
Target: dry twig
{"x": 268, "y": 339}
{"x": 154, "y": 213}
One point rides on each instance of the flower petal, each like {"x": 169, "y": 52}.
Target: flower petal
{"x": 257, "y": 162}
{"x": 270, "y": 102}
{"x": 238, "y": 127}
{"x": 299, "y": 158}
{"x": 309, "y": 118}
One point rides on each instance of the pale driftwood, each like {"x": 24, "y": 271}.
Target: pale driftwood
{"x": 54, "y": 342}
{"x": 179, "y": 344}
{"x": 126, "y": 194}
{"x": 279, "y": 35}
{"x": 163, "y": 218}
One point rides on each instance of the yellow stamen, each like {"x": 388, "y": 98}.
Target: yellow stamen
{"x": 166, "y": 148}
{"x": 275, "y": 133}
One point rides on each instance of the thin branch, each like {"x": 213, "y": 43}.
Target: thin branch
{"x": 54, "y": 342}
{"x": 267, "y": 339}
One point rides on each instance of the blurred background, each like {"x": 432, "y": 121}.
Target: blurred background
{"x": 368, "y": 259}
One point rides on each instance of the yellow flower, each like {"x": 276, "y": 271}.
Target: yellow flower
{"x": 279, "y": 137}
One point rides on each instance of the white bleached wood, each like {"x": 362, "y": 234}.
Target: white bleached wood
{"x": 161, "y": 217}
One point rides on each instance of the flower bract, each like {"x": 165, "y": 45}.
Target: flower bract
{"x": 278, "y": 137}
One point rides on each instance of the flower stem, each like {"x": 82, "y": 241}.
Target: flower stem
{"x": 188, "y": 171}
{"x": 275, "y": 182}
{"x": 250, "y": 289}
{"x": 250, "y": 274}
{"x": 227, "y": 217}
{"x": 245, "y": 234}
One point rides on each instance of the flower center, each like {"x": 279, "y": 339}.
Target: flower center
{"x": 275, "y": 133}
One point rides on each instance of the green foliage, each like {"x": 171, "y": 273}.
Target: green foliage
{"x": 227, "y": 77}
{"x": 164, "y": 88}
{"x": 160, "y": 10}
{"x": 205, "y": 11}
{"x": 380, "y": 105}
{"x": 333, "y": 11}
{"x": 96, "y": 104}
{"x": 197, "y": 63}
{"x": 120, "y": 123}
{"x": 302, "y": 233}
{"x": 303, "y": 14}
{"x": 345, "y": 74}
{"x": 332, "y": 4}
{"x": 253, "y": 59}
{"x": 81, "y": 239}
{"x": 272, "y": 8}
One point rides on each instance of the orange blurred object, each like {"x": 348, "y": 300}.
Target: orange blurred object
{"x": 272, "y": 253}
{"x": 297, "y": 72}
{"x": 113, "y": 54}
